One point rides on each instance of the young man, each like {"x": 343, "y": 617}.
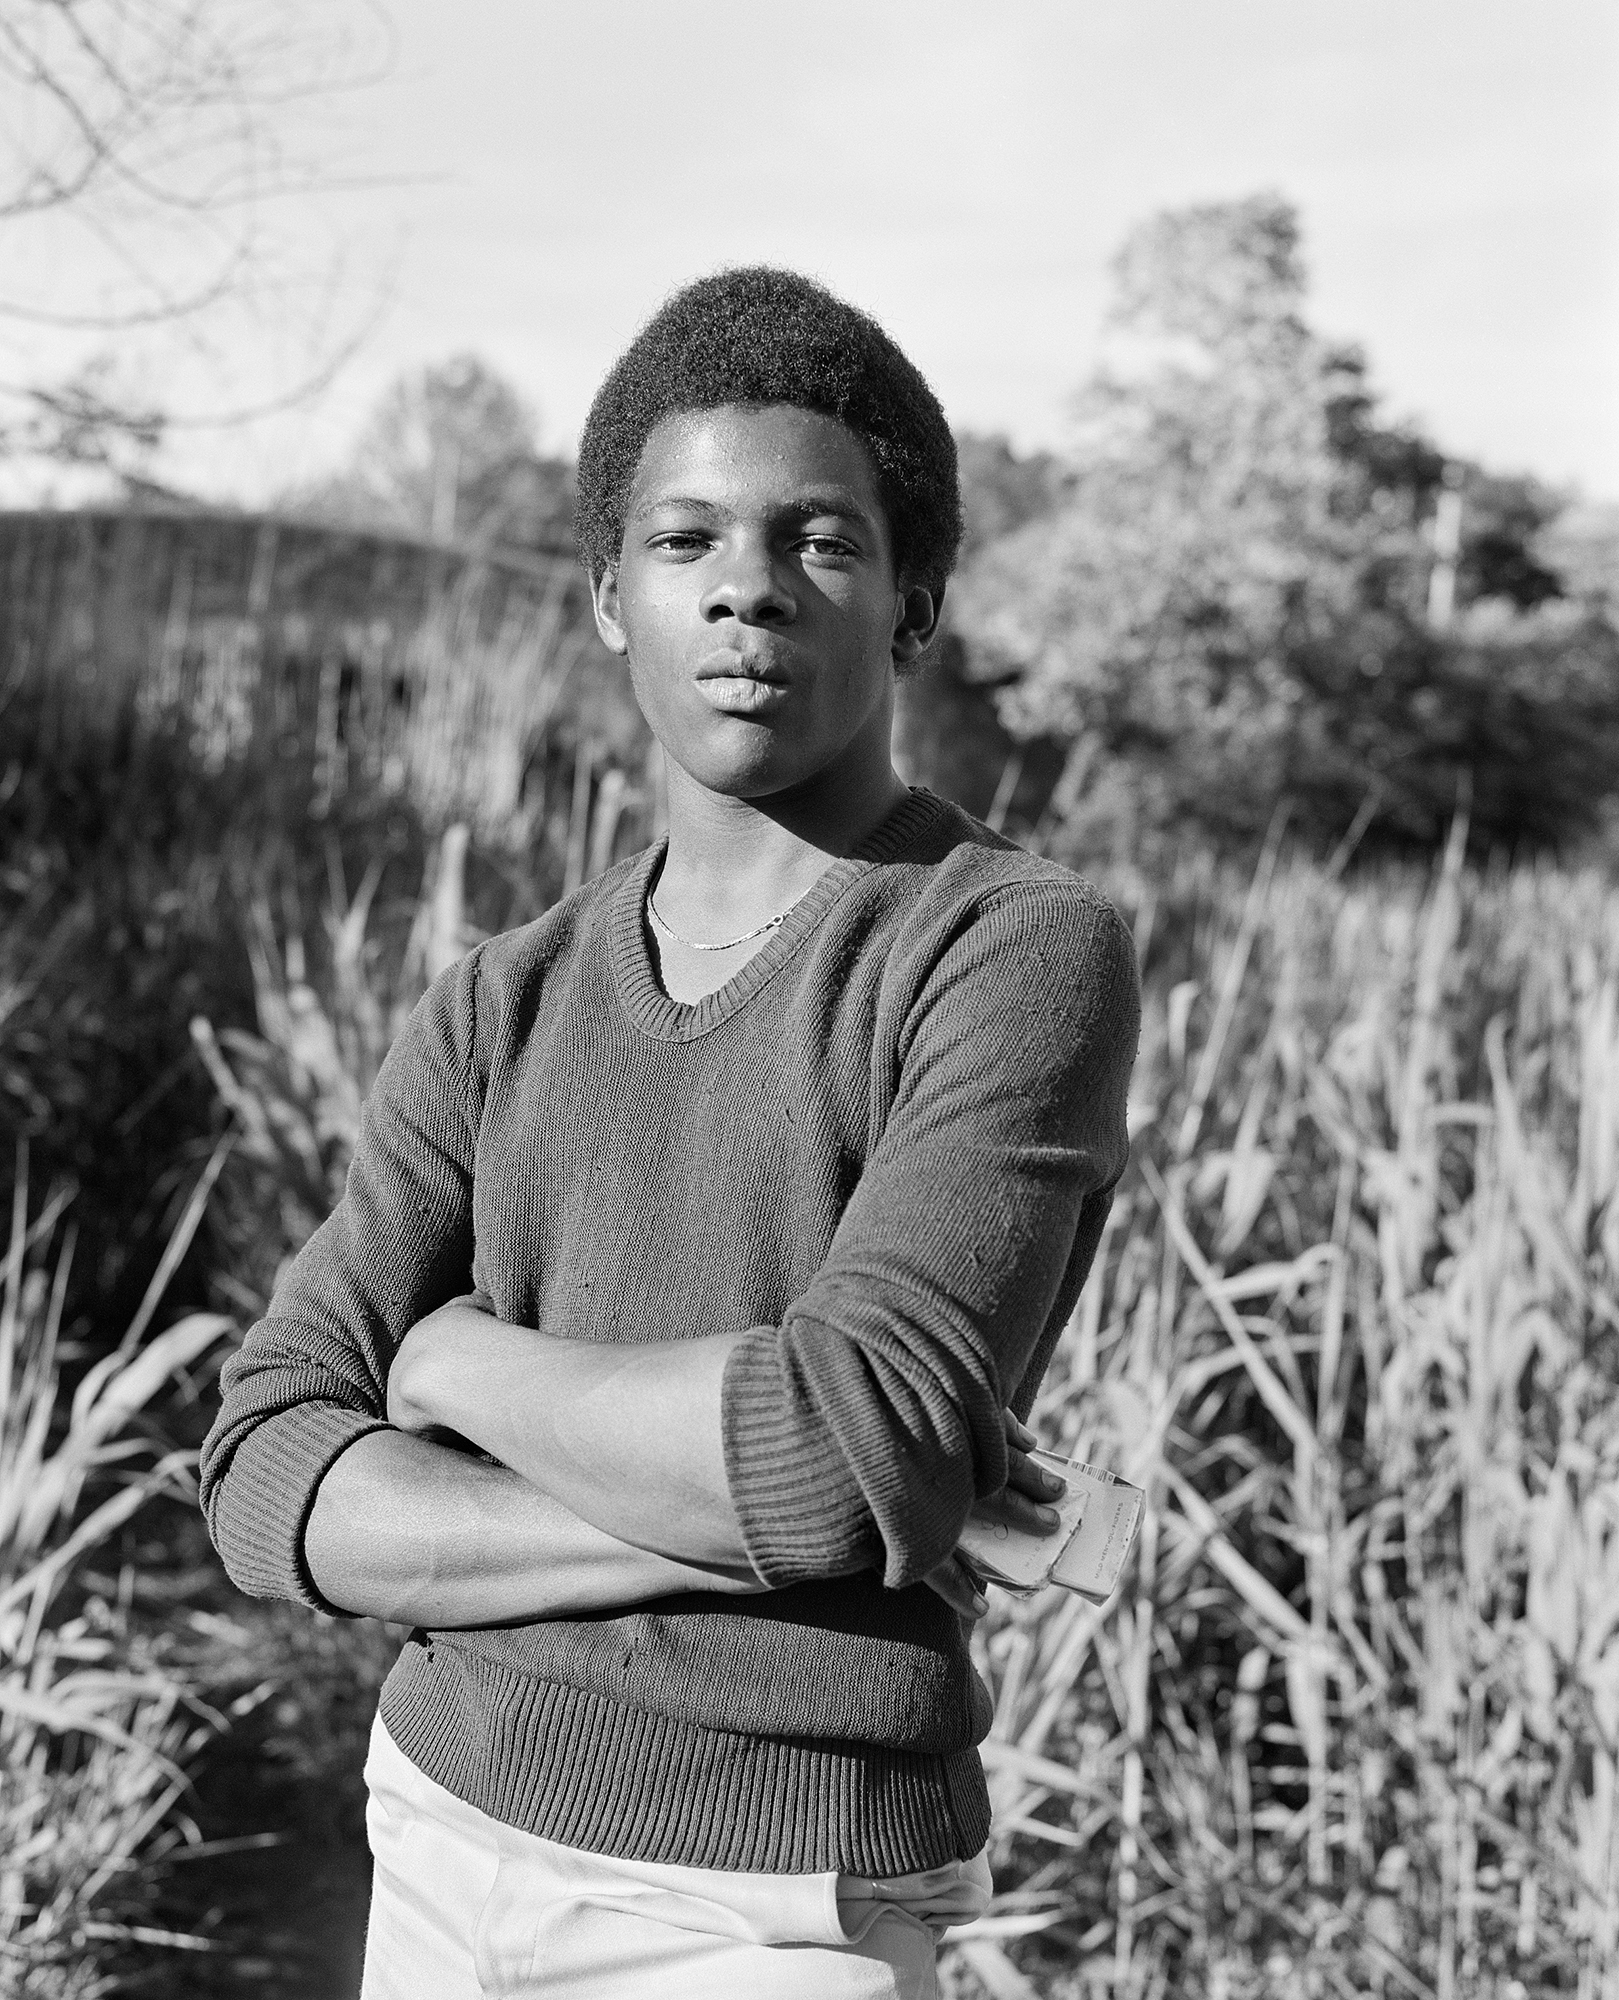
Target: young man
{"x": 773, "y": 1160}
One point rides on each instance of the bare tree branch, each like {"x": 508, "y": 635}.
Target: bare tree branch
{"x": 153, "y": 107}
{"x": 162, "y": 131}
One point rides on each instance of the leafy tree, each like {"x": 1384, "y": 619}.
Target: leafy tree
{"x": 1198, "y": 525}
{"x": 1506, "y": 518}
{"x": 1516, "y": 713}
{"x": 1582, "y": 547}
{"x": 1229, "y": 601}
{"x": 1001, "y": 491}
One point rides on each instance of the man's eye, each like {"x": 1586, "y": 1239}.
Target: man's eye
{"x": 680, "y": 541}
{"x": 827, "y": 546}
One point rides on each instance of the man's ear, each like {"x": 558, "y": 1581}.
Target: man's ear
{"x": 916, "y": 620}
{"x": 609, "y": 618}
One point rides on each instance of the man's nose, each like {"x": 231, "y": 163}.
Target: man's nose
{"x": 749, "y": 586}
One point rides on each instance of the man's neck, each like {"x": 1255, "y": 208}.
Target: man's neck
{"x": 733, "y": 863}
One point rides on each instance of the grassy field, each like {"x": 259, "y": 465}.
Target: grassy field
{"x": 1351, "y": 1728}
{"x": 1352, "y": 1725}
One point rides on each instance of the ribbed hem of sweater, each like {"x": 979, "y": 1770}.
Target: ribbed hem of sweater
{"x": 589, "y": 1772}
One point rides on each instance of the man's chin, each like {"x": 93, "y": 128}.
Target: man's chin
{"x": 748, "y": 774}
{"x": 775, "y": 762}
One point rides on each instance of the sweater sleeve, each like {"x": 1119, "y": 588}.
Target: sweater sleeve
{"x": 859, "y": 1432}
{"x": 312, "y": 1376}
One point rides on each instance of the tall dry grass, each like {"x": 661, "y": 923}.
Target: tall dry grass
{"x": 97, "y": 1725}
{"x": 1351, "y": 1726}
{"x": 293, "y": 1090}
{"x": 326, "y": 1018}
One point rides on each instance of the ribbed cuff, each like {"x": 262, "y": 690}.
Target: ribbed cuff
{"x": 799, "y": 1505}
{"x": 264, "y": 1502}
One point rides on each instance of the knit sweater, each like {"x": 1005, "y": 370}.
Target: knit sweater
{"x": 884, "y": 1152}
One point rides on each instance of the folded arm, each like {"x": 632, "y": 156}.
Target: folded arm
{"x": 857, "y": 1434}
{"x": 410, "y": 1530}
{"x": 862, "y": 1432}
{"x": 632, "y": 1435}
{"x": 627, "y": 1436}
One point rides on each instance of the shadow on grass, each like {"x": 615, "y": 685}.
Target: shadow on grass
{"x": 278, "y": 1889}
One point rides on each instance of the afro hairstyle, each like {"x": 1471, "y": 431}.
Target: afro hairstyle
{"x": 759, "y": 335}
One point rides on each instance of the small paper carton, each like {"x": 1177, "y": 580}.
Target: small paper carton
{"x": 1098, "y": 1517}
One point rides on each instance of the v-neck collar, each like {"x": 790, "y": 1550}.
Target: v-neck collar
{"x": 644, "y": 999}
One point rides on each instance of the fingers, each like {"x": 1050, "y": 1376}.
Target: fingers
{"x": 1023, "y": 1475}
{"x": 1022, "y": 1472}
{"x": 1018, "y": 1432}
{"x": 959, "y": 1588}
{"x": 1021, "y": 1503}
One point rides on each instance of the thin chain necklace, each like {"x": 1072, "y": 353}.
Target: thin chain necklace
{"x": 730, "y": 944}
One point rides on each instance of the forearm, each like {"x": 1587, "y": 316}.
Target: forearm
{"x": 414, "y": 1532}
{"x": 626, "y": 1438}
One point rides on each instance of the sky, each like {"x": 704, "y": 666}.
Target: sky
{"x": 537, "y": 176}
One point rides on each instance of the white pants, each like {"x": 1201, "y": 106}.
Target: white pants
{"x": 466, "y": 1908}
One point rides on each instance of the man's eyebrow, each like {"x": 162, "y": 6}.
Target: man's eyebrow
{"x": 686, "y": 502}
{"x": 807, "y": 507}
{"x": 832, "y": 502}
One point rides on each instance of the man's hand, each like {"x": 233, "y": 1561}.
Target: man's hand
{"x": 1021, "y": 1503}
{"x": 411, "y": 1376}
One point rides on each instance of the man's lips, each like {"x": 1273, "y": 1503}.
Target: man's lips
{"x": 737, "y": 667}
{"x": 738, "y": 686}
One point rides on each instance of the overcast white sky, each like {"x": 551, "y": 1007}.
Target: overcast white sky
{"x": 965, "y": 172}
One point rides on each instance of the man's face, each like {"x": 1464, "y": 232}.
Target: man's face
{"x": 756, "y": 598}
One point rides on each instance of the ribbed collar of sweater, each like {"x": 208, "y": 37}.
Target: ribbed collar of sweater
{"x": 668, "y": 1020}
